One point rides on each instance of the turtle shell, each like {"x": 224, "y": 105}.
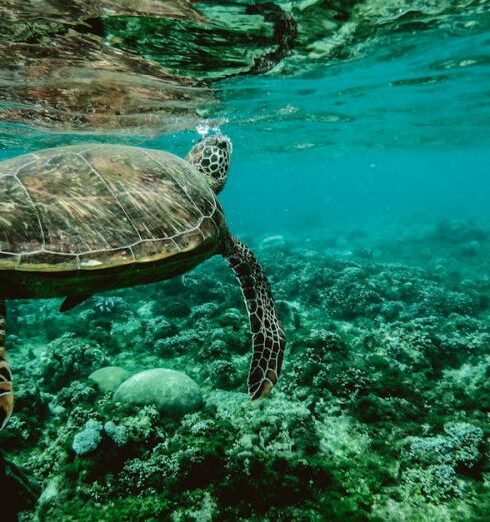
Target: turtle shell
{"x": 96, "y": 207}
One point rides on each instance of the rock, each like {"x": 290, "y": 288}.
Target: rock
{"x": 469, "y": 248}
{"x": 172, "y": 393}
{"x": 459, "y": 231}
{"x": 109, "y": 378}
{"x": 273, "y": 242}
{"x": 289, "y": 312}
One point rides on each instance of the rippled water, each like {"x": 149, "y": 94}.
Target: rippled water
{"x": 340, "y": 99}
{"x": 343, "y": 74}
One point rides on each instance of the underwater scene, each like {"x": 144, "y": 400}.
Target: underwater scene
{"x": 244, "y": 260}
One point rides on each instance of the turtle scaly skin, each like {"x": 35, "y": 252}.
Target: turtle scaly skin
{"x": 6, "y": 391}
{"x": 79, "y": 220}
{"x": 267, "y": 335}
{"x": 76, "y": 220}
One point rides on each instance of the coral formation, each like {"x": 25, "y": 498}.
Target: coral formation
{"x": 380, "y": 414}
{"x": 88, "y": 439}
{"x": 68, "y": 358}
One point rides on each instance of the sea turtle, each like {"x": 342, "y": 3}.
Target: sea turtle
{"x": 82, "y": 219}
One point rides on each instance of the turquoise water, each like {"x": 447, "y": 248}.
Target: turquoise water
{"x": 399, "y": 133}
{"x": 359, "y": 178}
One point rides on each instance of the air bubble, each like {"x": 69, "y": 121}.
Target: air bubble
{"x": 203, "y": 128}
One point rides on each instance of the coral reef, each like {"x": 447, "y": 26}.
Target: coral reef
{"x": 381, "y": 412}
{"x": 88, "y": 439}
{"x": 68, "y": 358}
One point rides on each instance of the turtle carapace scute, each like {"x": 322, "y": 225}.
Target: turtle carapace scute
{"x": 82, "y": 219}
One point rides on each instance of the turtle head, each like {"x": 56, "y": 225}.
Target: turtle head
{"x": 212, "y": 156}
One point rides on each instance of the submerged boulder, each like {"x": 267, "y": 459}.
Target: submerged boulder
{"x": 272, "y": 242}
{"x": 109, "y": 378}
{"x": 172, "y": 393}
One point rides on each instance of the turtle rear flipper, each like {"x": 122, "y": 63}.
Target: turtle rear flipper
{"x": 6, "y": 392}
{"x": 72, "y": 301}
{"x": 267, "y": 335}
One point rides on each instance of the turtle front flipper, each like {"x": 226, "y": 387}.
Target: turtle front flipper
{"x": 267, "y": 335}
{"x": 6, "y": 390}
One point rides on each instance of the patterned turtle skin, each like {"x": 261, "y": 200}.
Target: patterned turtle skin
{"x": 83, "y": 219}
